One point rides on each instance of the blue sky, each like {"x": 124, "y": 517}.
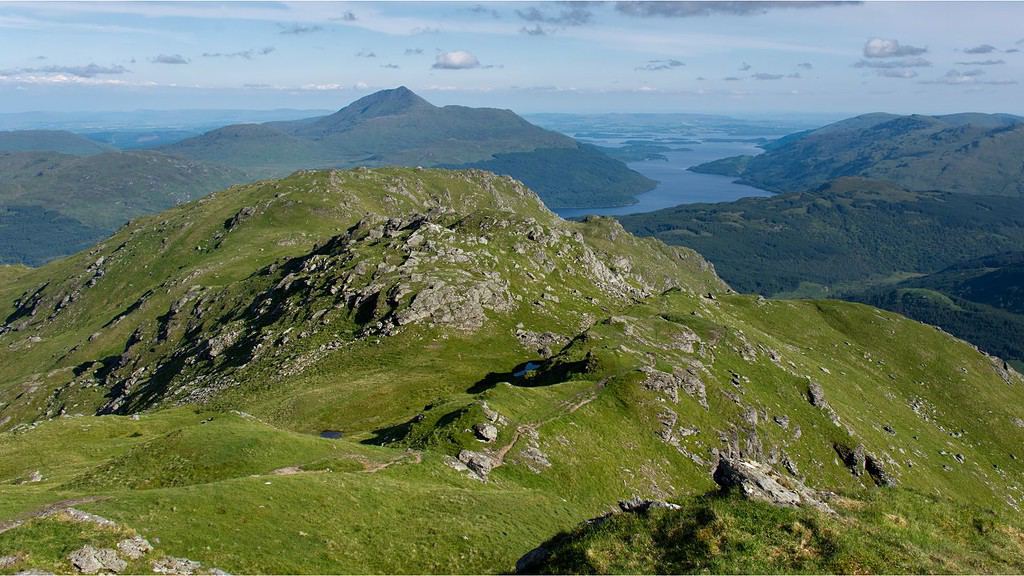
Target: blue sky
{"x": 714, "y": 57}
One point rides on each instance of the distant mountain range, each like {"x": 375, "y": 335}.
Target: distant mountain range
{"x": 60, "y": 191}
{"x": 60, "y": 141}
{"x": 964, "y": 153}
{"x": 397, "y": 127}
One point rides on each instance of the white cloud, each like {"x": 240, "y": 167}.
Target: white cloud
{"x": 244, "y": 54}
{"x": 456, "y": 60}
{"x": 890, "y": 48}
{"x": 87, "y": 71}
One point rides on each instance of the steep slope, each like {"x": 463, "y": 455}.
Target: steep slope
{"x": 397, "y": 127}
{"x": 54, "y": 204}
{"x": 963, "y": 153}
{"x": 846, "y": 234}
{"x": 58, "y": 141}
{"x": 483, "y": 375}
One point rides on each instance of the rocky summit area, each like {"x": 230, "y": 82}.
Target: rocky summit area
{"x": 422, "y": 370}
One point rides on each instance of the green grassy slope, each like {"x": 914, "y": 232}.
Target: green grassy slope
{"x": 962, "y": 153}
{"x": 404, "y": 308}
{"x": 57, "y": 141}
{"x": 893, "y": 532}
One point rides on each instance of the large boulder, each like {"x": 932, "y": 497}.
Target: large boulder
{"x": 486, "y": 432}
{"x": 757, "y": 481}
{"x": 89, "y": 560}
{"x": 135, "y": 547}
{"x": 479, "y": 463}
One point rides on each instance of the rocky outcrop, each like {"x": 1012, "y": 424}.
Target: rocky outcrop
{"x": 1005, "y": 371}
{"x": 485, "y": 432}
{"x": 89, "y": 560}
{"x": 640, "y": 505}
{"x": 460, "y": 307}
{"x": 686, "y": 379}
{"x": 816, "y": 396}
{"x": 757, "y": 481}
{"x": 135, "y": 547}
{"x": 854, "y": 458}
{"x": 543, "y": 343}
{"x": 76, "y": 515}
{"x": 176, "y": 566}
{"x": 479, "y": 463}
{"x": 878, "y": 470}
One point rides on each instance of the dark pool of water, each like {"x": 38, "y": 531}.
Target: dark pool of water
{"x": 526, "y": 369}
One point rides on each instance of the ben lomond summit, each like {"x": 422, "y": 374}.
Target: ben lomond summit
{"x": 391, "y": 102}
{"x": 398, "y": 127}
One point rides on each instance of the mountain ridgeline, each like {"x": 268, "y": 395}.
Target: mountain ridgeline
{"x": 397, "y": 127}
{"x": 980, "y": 300}
{"x": 426, "y": 370}
{"x": 843, "y": 233}
{"x": 960, "y": 153}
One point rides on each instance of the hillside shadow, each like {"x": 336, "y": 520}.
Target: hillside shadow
{"x": 531, "y": 374}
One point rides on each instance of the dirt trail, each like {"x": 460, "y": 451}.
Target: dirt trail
{"x": 47, "y": 510}
{"x": 581, "y": 400}
{"x": 371, "y": 467}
